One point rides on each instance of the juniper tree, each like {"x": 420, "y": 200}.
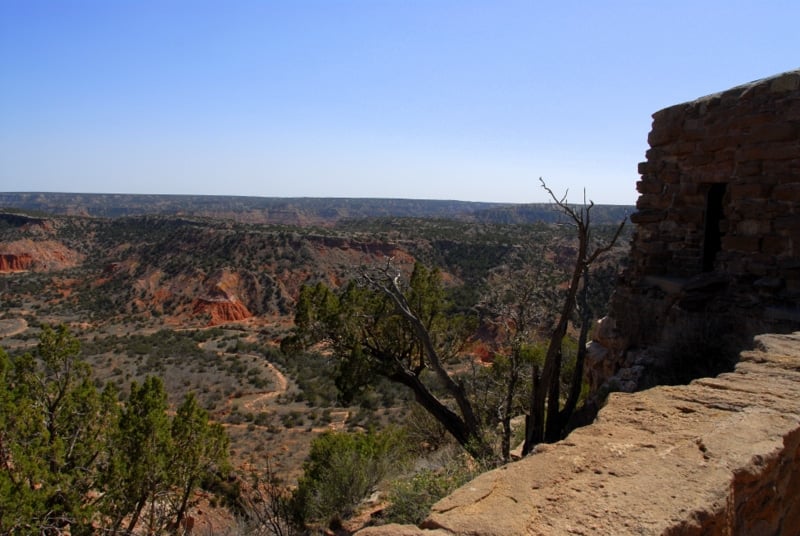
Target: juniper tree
{"x": 384, "y": 325}
{"x": 54, "y": 432}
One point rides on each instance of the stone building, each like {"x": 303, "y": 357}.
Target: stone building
{"x": 715, "y": 256}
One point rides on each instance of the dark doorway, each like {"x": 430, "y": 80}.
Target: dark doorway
{"x": 712, "y": 241}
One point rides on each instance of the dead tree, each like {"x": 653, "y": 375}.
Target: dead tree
{"x": 546, "y": 420}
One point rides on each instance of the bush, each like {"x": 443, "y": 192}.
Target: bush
{"x": 341, "y": 470}
{"x": 441, "y": 472}
{"x": 411, "y": 499}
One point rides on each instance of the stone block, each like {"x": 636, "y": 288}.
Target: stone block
{"x": 647, "y": 216}
{"x": 690, "y": 214}
{"x": 769, "y": 151}
{"x": 672, "y": 177}
{"x": 676, "y": 245}
{"x": 749, "y": 208}
{"x": 649, "y": 187}
{"x": 668, "y": 227}
{"x": 775, "y": 245}
{"x": 745, "y": 120}
{"x": 753, "y": 227}
{"x": 671, "y": 114}
{"x": 785, "y": 83}
{"x": 792, "y": 112}
{"x": 786, "y": 225}
{"x": 747, "y": 169}
{"x": 684, "y": 147}
{"x": 715, "y": 172}
{"x": 663, "y": 134}
{"x": 745, "y": 244}
{"x": 759, "y": 267}
{"x": 784, "y": 131}
{"x": 769, "y": 283}
{"x": 725, "y": 155}
{"x": 652, "y": 247}
{"x": 789, "y": 166}
{"x": 715, "y": 143}
{"x": 695, "y": 200}
{"x": 660, "y": 201}
{"x": 787, "y": 192}
{"x": 793, "y": 286}
{"x": 700, "y": 159}
{"x": 750, "y": 190}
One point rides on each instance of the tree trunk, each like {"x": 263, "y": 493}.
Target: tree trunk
{"x": 468, "y": 438}
{"x": 547, "y": 391}
{"x": 456, "y": 389}
{"x": 508, "y": 403}
{"x": 580, "y": 358}
{"x": 135, "y": 519}
{"x": 552, "y": 429}
{"x": 534, "y": 421}
{"x": 187, "y": 492}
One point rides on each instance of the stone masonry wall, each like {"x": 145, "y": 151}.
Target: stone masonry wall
{"x": 716, "y": 248}
{"x": 747, "y": 139}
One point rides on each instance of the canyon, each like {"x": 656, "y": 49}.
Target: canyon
{"x": 694, "y": 374}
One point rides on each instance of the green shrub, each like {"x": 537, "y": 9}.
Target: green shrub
{"x": 341, "y": 470}
{"x": 411, "y": 497}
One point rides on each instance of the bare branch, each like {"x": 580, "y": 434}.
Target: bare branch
{"x": 604, "y": 249}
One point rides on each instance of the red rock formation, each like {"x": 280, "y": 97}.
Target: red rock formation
{"x": 221, "y": 310}
{"x": 36, "y": 255}
{"x": 221, "y": 300}
{"x": 10, "y": 262}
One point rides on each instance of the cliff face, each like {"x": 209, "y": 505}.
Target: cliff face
{"x": 36, "y": 255}
{"x": 10, "y": 262}
{"x": 221, "y": 311}
{"x": 716, "y": 457}
{"x": 220, "y": 301}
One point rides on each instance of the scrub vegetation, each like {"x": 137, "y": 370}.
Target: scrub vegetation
{"x": 376, "y": 364}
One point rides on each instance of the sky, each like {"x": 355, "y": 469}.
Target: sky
{"x": 423, "y": 99}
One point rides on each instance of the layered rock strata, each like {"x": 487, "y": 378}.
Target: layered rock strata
{"x": 36, "y": 255}
{"x": 10, "y": 262}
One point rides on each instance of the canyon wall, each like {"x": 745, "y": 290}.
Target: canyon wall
{"x": 10, "y": 262}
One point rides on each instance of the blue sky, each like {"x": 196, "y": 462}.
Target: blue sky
{"x": 433, "y": 99}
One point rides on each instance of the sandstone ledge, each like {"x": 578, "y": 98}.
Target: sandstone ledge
{"x": 719, "y": 456}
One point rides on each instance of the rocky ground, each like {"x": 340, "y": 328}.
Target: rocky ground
{"x": 718, "y": 456}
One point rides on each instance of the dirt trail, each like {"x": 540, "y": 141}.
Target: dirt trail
{"x": 11, "y": 327}
{"x": 261, "y": 399}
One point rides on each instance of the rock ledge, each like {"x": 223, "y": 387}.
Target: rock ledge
{"x": 718, "y": 456}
